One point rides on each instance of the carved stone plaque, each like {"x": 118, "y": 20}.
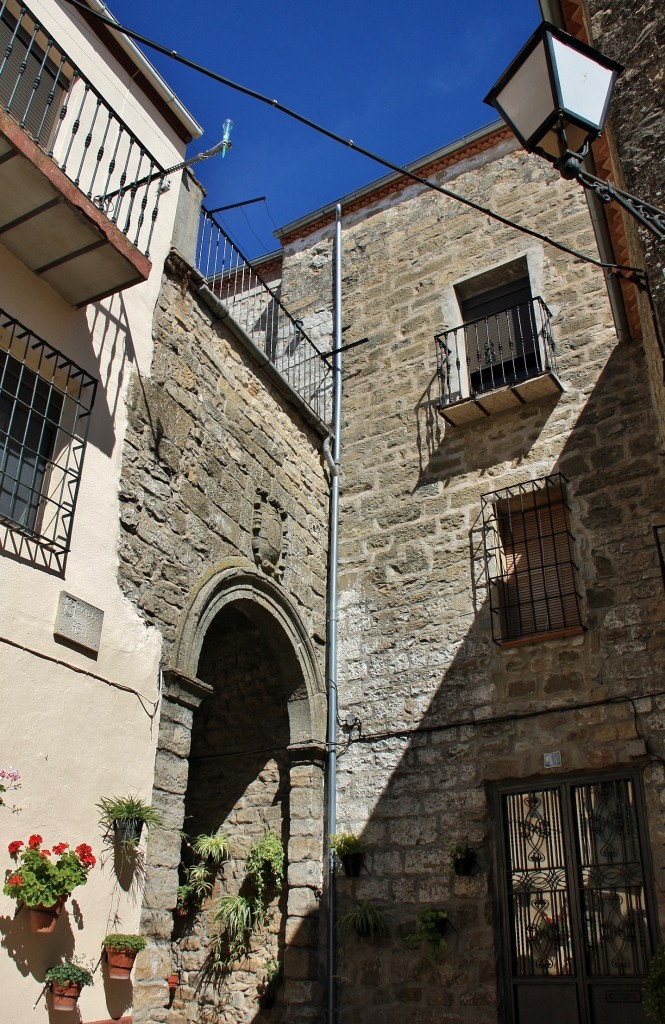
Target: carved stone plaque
{"x": 269, "y": 534}
{"x": 78, "y": 622}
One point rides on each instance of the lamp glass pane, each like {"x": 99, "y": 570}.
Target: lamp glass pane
{"x": 526, "y": 98}
{"x": 584, "y": 84}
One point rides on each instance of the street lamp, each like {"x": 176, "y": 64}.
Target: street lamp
{"x": 554, "y": 97}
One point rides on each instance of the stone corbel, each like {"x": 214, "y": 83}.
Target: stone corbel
{"x": 188, "y": 691}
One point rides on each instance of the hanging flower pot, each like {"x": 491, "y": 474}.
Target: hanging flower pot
{"x": 44, "y": 919}
{"x": 172, "y": 981}
{"x": 349, "y": 850}
{"x": 65, "y": 995}
{"x": 127, "y": 832}
{"x": 66, "y": 980}
{"x": 121, "y": 952}
{"x": 352, "y": 864}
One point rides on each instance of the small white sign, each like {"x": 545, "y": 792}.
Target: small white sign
{"x": 553, "y": 759}
{"x": 78, "y": 622}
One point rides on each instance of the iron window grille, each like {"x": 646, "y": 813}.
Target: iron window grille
{"x": 45, "y": 406}
{"x": 531, "y": 573}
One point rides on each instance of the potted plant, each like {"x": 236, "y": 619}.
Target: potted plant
{"x": 214, "y": 848}
{"x": 43, "y": 879}
{"x": 364, "y": 920}
{"x": 185, "y": 900}
{"x": 462, "y": 858}
{"x": 121, "y": 952}
{"x": 237, "y": 916}
{"x": 431, "y": 926}
{"x": 350, "y": 850}
{"x": 173, "y": 981}
{"x": 66, "y": 980}
{"x": 268, "y": 987}
{"x": 126, "y": 816}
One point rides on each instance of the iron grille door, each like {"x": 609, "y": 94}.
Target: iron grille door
{"x": 575, "y": 902}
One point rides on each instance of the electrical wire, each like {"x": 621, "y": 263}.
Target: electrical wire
{"x": 349, "y": 143}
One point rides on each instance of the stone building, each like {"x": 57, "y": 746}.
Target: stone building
{"x": 501, "y": 598}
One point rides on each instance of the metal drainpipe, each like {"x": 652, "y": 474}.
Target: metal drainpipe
{"x": 331, "y": 781}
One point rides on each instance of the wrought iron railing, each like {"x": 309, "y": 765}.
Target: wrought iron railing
{"x": 63, "y": 113}
{"x": 258, "y": 310}
{"x": 495, "y": 351}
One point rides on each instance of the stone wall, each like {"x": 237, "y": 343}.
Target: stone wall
{"x": 442, "y": 713}
{"x": 633, "y": 33}
{"x": 223, "y": 549}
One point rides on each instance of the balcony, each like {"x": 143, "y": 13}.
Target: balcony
{"x": 496, "y": 363}
{"x": 79, "y": 194}
{"x": 277, "y": 339}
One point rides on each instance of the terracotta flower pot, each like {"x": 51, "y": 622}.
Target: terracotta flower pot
{"x": 44, "y": 919}
{"x": 120, "y": 963}
{"x": 65, "y": 995}
{"x": 173, "y": 981}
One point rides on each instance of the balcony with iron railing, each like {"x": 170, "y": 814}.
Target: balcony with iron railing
{"x": 496, "y": 362}
{"x": 257, "y": 309}
{"x": 79, "y": 192}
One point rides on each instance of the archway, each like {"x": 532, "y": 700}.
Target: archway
{"x": 240, "y": 749}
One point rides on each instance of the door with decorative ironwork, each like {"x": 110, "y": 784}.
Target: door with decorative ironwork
{"x": 577, "y": 913}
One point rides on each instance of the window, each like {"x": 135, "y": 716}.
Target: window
{"x": 503, "y": 344}
{"x": 529, "y": 561}
{"x": 500, "y": 336}
{"x": 45, "y": 404}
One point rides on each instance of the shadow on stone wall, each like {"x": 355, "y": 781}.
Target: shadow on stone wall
{"x": 422, "y": 783}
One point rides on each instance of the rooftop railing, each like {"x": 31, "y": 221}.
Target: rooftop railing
{"x": 258, "y": 310}
{"x": 65, "y": 115}
{"x": 495, "y": 351}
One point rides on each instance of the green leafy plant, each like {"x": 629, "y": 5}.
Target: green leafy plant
{"x": 199, "y": 882}
{"x": 431, "y": 926}
{"x": 462, "y": 858}
{"x": 128, "y": 943}
{"x": 236, "y": 915}
{"x": 654, "y": 988}
{"x": 127, "y": 815}
{"x": 43, "y": 877}
{"x": 364, "y": 920}
{"x": 344, "y": 843}
{"x": 214, "y": 847}
{"x": 71, "y": 972}
{"x": 265, "y": 871}
{"x": 273, "y": 979}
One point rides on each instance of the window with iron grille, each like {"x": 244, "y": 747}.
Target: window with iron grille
{"x": 45, "y": 406}
{"x": 529, "y": 561}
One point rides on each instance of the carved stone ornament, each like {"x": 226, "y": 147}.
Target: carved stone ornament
{"x": 269, "y": 534}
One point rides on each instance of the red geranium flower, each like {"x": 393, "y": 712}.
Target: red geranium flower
{"x": 34, "y": 842}
{"x": 60, "y": 848}
{"x": 44, "y": 853}
{"x": 15, "y": 880}
{"x": 15, "y": 847}
{"x": 84, "y": 853}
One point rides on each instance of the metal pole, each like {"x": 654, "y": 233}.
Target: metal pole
{"x": 332, "y": 604}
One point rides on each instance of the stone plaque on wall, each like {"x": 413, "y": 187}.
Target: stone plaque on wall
{"x": 78, "y": 622}
{"x": 269, "y": 538}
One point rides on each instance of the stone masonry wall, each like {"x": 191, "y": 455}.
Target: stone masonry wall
{"x": 442, "y": 713}
{"x": 633, "y": 33}
{"x": 216, "y": 459}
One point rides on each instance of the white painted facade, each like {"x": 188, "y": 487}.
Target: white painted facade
{"x": 80, "y": 726}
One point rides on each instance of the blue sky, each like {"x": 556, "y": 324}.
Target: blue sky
{"x": 400, "y": 79}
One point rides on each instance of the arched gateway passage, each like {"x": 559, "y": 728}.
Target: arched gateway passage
{"x": 241, "y": 748}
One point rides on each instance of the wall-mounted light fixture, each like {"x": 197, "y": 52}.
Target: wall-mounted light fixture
{"x": 554, "y": 97}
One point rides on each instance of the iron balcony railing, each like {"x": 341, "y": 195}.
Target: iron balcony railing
{"x": 258, "y": 310}
{"x": 63, "y": 113}
{"x": 495, "y": 351}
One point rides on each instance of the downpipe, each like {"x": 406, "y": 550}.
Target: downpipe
{"x": 332, "y": 457}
